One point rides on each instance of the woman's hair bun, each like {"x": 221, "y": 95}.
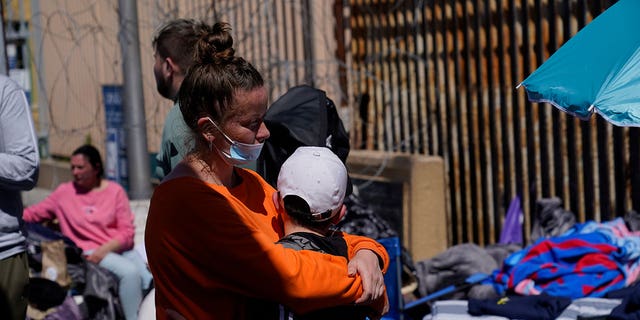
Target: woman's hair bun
{"x": 216, "y": 45}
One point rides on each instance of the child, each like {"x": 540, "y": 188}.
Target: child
{"x": 311, "y": 189}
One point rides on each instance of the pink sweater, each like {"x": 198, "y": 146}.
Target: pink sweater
{"x": 90, "y": 219}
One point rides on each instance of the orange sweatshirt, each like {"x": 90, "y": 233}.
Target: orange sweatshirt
{"x": 210, "y": 248}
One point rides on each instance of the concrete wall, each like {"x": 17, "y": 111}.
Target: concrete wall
{"x": 424, "y": 216}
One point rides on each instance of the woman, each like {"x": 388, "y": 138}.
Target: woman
{"x": 95, "y": 214}
{"x": 212, "y": 227}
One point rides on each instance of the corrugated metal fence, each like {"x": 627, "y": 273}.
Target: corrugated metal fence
{"x": 440, "y": 77}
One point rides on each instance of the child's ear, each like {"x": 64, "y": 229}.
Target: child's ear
{"x": 276, "y": 200}
{"x": 338, "y": 217}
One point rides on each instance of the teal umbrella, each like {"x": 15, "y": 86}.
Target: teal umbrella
{"x": 597, "y": 70}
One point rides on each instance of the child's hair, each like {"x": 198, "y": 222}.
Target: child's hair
{"x": 298, "y": 210}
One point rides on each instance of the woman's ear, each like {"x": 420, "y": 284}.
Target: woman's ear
{"x": 203, "y": 122}
{"x": 204, "y": 126}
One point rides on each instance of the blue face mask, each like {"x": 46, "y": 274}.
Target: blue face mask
{"x": 239, "y": 153}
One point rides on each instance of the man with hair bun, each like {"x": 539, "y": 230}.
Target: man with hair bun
{"x": 174, "y": 45}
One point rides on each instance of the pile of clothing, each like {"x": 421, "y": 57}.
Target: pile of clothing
{"x": 568, "y": 271}
{"x": 63, "y": 284}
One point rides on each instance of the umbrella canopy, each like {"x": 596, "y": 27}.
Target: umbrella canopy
{"x": 597, "y": 70}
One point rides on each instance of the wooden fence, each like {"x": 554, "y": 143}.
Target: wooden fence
{"x": 439, "y": 77}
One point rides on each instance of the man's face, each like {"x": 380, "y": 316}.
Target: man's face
{"x": 163, "y": 83}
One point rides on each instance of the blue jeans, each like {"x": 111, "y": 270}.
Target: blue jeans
{"x": 134, "y": 278}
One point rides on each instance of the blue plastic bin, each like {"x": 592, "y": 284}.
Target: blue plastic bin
{"x": 392, "y": 279}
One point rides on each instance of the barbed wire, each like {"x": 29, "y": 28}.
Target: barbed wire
{"x": 80, "y": 53}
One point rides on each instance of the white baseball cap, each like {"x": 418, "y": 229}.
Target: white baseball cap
{"x": 316, "y": 175}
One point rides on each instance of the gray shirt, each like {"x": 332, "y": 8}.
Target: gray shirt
{"x": 19, "y": 164}
{"x": 176, "y": 142}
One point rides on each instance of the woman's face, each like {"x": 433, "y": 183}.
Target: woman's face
{"x": 84, "y": 174}
{"x": 246, "y": 123}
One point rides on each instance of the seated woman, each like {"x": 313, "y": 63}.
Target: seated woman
{"x": 95, "y": 214}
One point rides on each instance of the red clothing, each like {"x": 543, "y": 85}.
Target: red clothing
{"x": 209, "y": 248}
{"x": 89, "y": 219}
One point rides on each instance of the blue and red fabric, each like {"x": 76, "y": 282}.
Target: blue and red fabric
{"x": 589, "y": 261}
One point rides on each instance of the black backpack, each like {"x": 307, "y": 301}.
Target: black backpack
{"x": 303, "y": 116}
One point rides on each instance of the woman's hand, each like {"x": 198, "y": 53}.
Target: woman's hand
{"x": 99, "y": 253}
{"x": 365, "y": 263}
{"x": 96, "y": 256}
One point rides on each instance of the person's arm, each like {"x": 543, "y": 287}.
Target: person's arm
{"x": 173, "y": 147}
{"x": 124, "y": 224}
{"x": 304, "y": 280}
{"x": 369, "y": 259}
{"x": 242, "y": 256}
{"x": 356, "y": 243}
{"x": 163, "y": 166}
{"x": 167, "y": 149}
{"x": 163, "y": 158}
{"x": 46, "y": 209}
{"x": 19, "y": 159}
